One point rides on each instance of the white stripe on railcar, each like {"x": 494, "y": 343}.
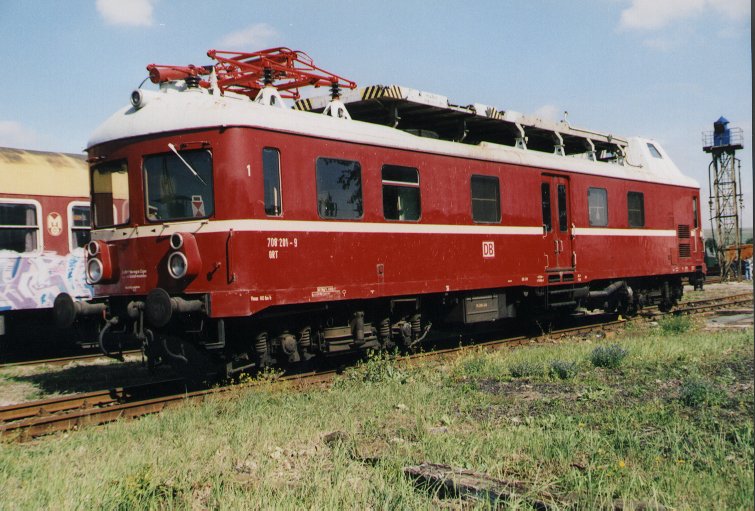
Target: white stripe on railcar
{"x": 329, "y": 226}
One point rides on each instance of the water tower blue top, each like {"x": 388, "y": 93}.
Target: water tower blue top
{"x": 721, "y": 133}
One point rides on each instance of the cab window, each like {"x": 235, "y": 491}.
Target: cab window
{"x": 110, "y": 193}
{"x": 179, "y": 186}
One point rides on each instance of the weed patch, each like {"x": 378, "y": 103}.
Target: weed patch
{"x": 675, "y": 325}
{"x": 609, "y": 357}
{"x": 563, "y": 370}
{"x": 697, "y": 392}
{"x": 379, "y": 368}
{"x": 526, "y": 369}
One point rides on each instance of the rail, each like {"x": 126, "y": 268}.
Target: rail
{"x": 63, "y": 360}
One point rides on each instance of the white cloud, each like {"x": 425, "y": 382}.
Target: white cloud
{"x": 252, "y": 38}
{"x": 127, "y": 12}
{"x": 657, "y": 14}
{"x": 654, "y": 14}
{"x": 733, "y": 9}
{"x": 13, "y": 134}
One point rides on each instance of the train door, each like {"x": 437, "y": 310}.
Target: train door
{"x": 555, "y": 200}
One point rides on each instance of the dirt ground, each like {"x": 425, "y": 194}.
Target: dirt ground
{"x": 718, "y": 290}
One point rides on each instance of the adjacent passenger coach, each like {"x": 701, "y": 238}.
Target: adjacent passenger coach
{"x": 44, "y": 223}
{"x": 251, "y": 233}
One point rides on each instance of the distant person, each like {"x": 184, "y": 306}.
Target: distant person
{"x": 748, "y": 268}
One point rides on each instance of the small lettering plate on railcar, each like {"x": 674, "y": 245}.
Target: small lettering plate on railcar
{"x": 488, "y": 249}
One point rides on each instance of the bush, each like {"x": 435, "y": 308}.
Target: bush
{"x": 525, "y": 369}
{"x": 563, "y": 370}
{"x": 608, "y": 356}
{"x": 696, "y": 392}
{"x": 673, "y": 325}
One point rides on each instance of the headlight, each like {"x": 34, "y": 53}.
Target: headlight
{"x": 177, "y": 265}
{"x": 93, "y": 248}
{"x": 94, "y": 270}
{"x": 176, "y": 241}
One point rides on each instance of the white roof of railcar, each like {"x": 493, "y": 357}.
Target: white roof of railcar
{"x": 175, "y": 108}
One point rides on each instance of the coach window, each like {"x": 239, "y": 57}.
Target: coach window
{"x": 654, "y": 151}
{"x": 79, "y": 224}
{"x": 401, "y": 200}
{"x": 597, "y": 203}
{"x": 636, "y": 209}
{"x": 179, "y": 185}
{"x": 19, "y": 226}
{"x": 109, "y": 193}
{"x": 339, "y": 189}
{"x": 486, "y": 199}
{"x": 545, "y": 201}
{"x": 271, "y": 176}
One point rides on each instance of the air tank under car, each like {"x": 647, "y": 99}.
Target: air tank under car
{"x": 256, "y": 233}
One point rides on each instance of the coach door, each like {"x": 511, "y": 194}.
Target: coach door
{"x": 554, "y": 194}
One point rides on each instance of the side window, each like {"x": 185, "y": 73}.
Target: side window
{"x": 636, "y": 209}
{"x": 401, "y": 198}
{"x": 597, "y": 203}
{"x": 19, "y": 227}
{"x": 79, "y": 224}
{"x": 339, "y": 188}
{"x": 654, "y": 151}
{"x": 271, "y": 177}
{"x": 563, "y": 218}
{"x": 695, "y": 212}
{"x": 545, "y": 201}
{"x": 486, "y": 199}
{"x": 109, "y": 191}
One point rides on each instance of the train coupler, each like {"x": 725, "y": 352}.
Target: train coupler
{"x": 66, "y": 310}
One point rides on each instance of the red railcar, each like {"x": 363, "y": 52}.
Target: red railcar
{"x": 256, "y": 232}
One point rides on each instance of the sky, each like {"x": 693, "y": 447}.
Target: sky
{"x": 662, "y": 69}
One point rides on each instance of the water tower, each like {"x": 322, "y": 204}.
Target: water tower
{"x": 724, "y": 183}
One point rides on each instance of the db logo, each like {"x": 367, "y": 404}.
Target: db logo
{"x": 488, "y": 249}
{"x": 54, "y": 224}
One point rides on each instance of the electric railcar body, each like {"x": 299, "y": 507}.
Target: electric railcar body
{"x": 44, "y": 223}
{"x": 256, "y": 232}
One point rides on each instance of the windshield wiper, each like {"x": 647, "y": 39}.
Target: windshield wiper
{"x": 173, "y": 148}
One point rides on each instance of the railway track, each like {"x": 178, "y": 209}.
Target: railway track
{"x": 29, "y": 420}
{"x": 64, "y": 360}
{"x": 699, "y": 306}
{"x": 98, "y": 356}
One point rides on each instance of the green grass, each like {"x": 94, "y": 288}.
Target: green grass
{"x": 671, "y": 425}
